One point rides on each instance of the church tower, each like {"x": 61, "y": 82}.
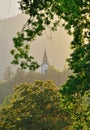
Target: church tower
{"x": 45, "y": 63}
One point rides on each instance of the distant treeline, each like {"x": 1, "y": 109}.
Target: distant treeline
{"x": 11, "y": 79}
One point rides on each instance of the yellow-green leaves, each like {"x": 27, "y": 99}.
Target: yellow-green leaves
{"x": 34, "y": 106}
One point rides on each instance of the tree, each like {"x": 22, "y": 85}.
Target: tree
{"x": 76, "y": 16}
{"x": 8, "y": 74}
{"x": 19, "y": 77}
{"x": 41, "y": 14}
{"x": 4, "y": 91}
{"x": 34, "y": 106}
{"x": 79, "y": 82}
{"x": 22, "y": 76}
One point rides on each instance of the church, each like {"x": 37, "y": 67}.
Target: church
{"x": 45, "y": 64}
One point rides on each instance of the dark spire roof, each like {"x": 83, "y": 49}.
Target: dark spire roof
{"x": 45, "y": 59}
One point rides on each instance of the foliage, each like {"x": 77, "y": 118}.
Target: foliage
{"x": 42, "y": 14}
{"x": 78, "y": 83}
{"x": 21, "y": 76}
{"x": 4, "y": 91}
{"x": 6, "y": 100}
{"x": 47, "y": 13}
{"x": 76, "y": 16}
{"x": 34, "y": 106}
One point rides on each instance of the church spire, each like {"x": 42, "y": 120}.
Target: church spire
{"x": 45, "y": 63}
{"x": 45, "y": 60}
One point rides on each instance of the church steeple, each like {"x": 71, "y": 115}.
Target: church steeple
{"x": 45, "y": 63}
{"x": 45, "y": 59}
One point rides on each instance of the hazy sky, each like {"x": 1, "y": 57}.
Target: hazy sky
{"x": 8, "y": 8}
{"x": 57, "y": 48}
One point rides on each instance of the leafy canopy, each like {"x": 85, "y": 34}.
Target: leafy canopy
{"x": 78, "y": 83}
{"x": 76, "y": 16}
{"x": 34, "y": 106}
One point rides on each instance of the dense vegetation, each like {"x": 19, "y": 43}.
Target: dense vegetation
{"x": 76, "y": 15}
{"x": 21, "y": 76}
{"x": 34, "y": 107}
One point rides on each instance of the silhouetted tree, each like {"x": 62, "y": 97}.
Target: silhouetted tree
{"x": 8, "y": 74}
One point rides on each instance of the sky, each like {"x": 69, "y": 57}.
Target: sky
{"x": 8, "y": 8}
{"x": 57, "y": 47}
